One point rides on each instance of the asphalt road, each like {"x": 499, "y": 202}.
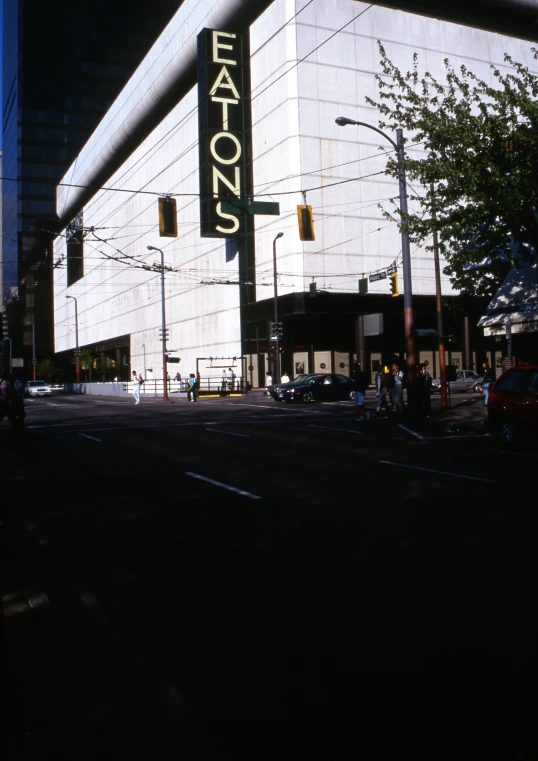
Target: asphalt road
{"x": 242, "y": 579}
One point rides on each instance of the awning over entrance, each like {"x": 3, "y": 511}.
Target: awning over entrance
{"x": 515, "y": 303}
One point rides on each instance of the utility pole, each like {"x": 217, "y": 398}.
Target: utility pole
{"x": 439, "y": 309}
{"x": 275, "y": 328}
{"x": 34, "y": 360}
{"x": 163, "y": 321}
{"x": 77, "y": 352}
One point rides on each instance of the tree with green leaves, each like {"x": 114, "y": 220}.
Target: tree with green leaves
{"x": 473, "y": 147}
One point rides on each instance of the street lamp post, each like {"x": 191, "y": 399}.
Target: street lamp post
{"x": 163, "y": 322}
{"x": 398, "y": 146}
{"x": 275, "y": 325}
{"x": 144, "y": 350}
{"x": 77, "y": 352}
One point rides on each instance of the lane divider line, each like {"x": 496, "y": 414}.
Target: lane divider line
{"x": 441, "y": 472}
{"x": 85, "y": 436}
{"x": 224, "y": 486}
{"x": 228, "y": 433}
{"x": 413, "y": 433}
{"x": 328, "y": 428}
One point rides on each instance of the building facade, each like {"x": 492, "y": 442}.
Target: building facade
{"x": 308, "y": 63}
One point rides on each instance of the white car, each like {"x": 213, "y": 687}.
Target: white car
{"x": 466, "y": 380}
{"x": 38, "y": 388}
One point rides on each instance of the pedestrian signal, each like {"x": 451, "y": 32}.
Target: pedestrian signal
{"x": 306, "y": 223}
{"x": 394, "y": 284}
{"x": 167, "y": 217}
{"x": 363, "y": 286}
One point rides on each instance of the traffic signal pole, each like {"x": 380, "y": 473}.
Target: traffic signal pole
{"x": 163, "y": 322}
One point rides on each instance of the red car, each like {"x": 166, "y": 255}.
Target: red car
{"x": 513, "y": 405}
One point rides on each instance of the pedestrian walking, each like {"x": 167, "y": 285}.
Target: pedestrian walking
{"x": 381, "y": 390}
{"x": 268, "y": 382}
{"x": 424, "y": 382}
{"x": 12, "y": 402}
{"x": 396, "y": 388}
{"x": 489, "y": 377}
{"x": 137, "y": 383}
{"x": 192, "y": 390}
{"x": 285, "y": 378}
{"x": 360, "y": 379}
{"x": 230, "y": 379}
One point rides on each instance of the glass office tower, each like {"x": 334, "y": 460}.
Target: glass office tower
{"x": 64, "y": 63}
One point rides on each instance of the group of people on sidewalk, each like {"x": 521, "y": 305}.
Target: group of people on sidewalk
{"x": 192, "y": 387}
{"x": 389, "y": 387}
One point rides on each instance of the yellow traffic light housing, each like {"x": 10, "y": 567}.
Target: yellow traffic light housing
{"x": 394, "y": 284}
{"x": 167, "y": 217}
{"x": 306, "y": 223}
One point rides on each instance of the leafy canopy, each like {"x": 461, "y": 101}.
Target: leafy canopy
{"x": 478, "y": 163}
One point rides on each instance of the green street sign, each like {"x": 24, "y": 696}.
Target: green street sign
{"x": 255, "y": 207}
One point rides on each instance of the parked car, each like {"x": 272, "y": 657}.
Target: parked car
{"x": 513, "y": 405}
{"x": 38, "y": 388}
{"x": 466, "y": 380}
{"x": 318, "y": 387}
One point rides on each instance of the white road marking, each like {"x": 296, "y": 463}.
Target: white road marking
{"x": 35, "y": 601}
{"x": 228, "y": 433}
{"x": 459, "y": 436}
{"x": 328, "y": 428}
{"x": 224, "y": 486}
{"x": 85, "y": 435}
{"x": 413, "y": 433}
{"x": 441, "y": 472}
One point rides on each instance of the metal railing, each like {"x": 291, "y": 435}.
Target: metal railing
{"x": 155, "y": 387}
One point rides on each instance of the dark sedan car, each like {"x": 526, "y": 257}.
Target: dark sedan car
{"x": 275, "y": 388}
{"x": 513, "y": 405}
{"x": 319, "y": 387}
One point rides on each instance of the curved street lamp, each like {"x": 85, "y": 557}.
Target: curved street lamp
{"x": 398, "y": 146}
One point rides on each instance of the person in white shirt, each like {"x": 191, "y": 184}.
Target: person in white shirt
{"x": 285, "y": 378}
{"x": 137, "y": 382}
{"x": 268, "y": 382}
{"x": 230, "y": 377}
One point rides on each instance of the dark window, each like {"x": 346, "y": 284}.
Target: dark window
{"x": 530, "y": 383}
{"x": 75, "y": 250}
{"x": 511, "y": 383}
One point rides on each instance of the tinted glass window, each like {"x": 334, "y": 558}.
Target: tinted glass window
{"x": 510, "y": 383}
{"x": 341, "y": 378}
{"x": 530, "y": 382}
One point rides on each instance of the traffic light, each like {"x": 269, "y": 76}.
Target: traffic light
{"x": 5, "y": 329}
{"x": 394, "y": 284}
{"x": 306, "y": 223}
{"x": 167, "y": 217}
{"x": 363, "y": 286}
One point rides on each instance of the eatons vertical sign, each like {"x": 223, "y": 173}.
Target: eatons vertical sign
{"x": 223, "y": 144}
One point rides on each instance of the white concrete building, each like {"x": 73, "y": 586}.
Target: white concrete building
{"x": 310, "y": 62}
